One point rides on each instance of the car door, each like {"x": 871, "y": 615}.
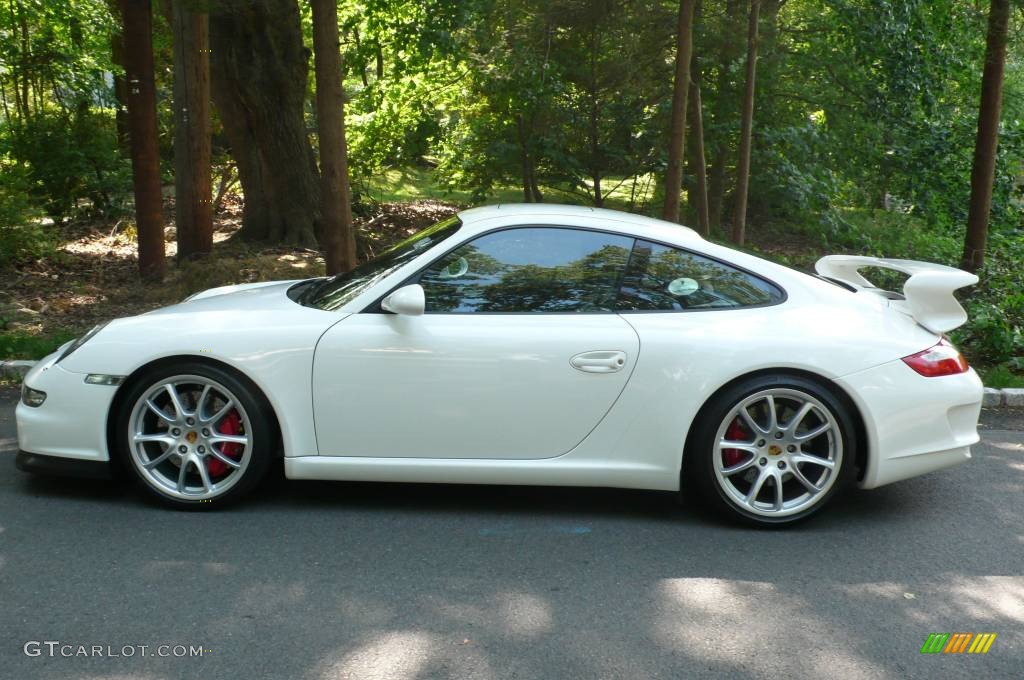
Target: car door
{"x": 519, "y": 353}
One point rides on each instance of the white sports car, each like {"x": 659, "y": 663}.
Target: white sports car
{"x": 527, "y": 344}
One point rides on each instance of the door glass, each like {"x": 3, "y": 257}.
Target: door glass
{"x": 529, "y": 269}
{"x": 661, "y": 278}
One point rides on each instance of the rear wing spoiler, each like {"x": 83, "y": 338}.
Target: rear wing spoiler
{"x": 928, "y": 293}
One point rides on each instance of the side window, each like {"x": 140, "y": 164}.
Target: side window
{"x": 529, "y": 269}
{"x": 669, "y": 279}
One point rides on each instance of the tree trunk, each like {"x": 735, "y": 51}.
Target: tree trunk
{"x": 680, "y": 89}
{"x": 259, "y": 68}
{"x": 697, "y": 162}
{"x": 336, "y": 204}
{"x": 26, "y": 61}
{"x": 739, "y": 222}
{"x": 149, "y": 222}
{"x": 120, "y": 85}
{"x": 527, "y": 161}
{"x": 524, "y": 160}
{"x": 362, "y": 64}
{"x": 192, "y": 195}
{"x": 726, "y": 53}
{"x": 538, "y": 197}
{"x": 984, "y": 167}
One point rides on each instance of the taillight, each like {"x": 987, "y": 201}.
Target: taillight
{"x": 942, "y": 359}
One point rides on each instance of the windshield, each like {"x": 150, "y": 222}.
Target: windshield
{"x": 331, "y": 293}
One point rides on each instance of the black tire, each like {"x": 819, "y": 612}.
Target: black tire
{"x": 260, "y": 423}
{"x": 699, "y": 462}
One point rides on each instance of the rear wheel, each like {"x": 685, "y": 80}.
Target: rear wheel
{"x": 772, "y": 450}
{"x": 195, "y": 436}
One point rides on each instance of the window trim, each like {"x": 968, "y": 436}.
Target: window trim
{"x": 375, "y": 308}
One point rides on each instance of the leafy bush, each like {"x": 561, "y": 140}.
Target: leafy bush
{"x": 20, "y": 243}
{"x": 20, "y": 345}
{"x": 21, "y": 236}
{"x": 71, "y": 163}
{"x": 995, "y": 330}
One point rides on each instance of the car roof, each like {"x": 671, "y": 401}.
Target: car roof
{"x": 577, "y": 215}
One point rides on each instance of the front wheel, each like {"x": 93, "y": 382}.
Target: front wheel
{"x": 772, "y": 450}
{"x": 195, "y": 436}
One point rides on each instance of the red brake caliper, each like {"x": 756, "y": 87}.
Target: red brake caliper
{"x": 230, "y": 424}
{"x": 734, "y": 433}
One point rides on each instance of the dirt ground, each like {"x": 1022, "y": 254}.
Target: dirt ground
{"x": 93, "y": 276}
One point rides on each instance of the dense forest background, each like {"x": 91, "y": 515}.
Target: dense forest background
{"x": 789, "y": 127}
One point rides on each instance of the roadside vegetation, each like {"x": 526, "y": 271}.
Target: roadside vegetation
{"x": 882, "y": 127}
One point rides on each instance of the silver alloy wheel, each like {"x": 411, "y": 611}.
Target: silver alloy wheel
{"x": 175, "y": 437}
{"x": 778, "y": 452}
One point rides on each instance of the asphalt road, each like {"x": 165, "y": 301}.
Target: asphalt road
{"x": 318, "y": 580}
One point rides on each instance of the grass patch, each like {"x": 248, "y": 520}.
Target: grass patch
{"x": 21, "y": 345}
{"x": 1000, "y": 376}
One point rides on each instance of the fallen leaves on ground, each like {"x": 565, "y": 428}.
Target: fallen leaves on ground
{"x": 93, "y": 277}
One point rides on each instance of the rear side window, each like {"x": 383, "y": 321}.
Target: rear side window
{"x": 661, "y": 278}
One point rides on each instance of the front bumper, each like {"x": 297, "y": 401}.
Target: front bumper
{"x": 914, "y": 424}
{"x": 72, "y": 422}
{"x": 62, "y": 467}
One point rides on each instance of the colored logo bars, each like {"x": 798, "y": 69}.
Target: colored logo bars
{"x": 958, "y": 643}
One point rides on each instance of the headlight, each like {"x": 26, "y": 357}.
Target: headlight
{"x": 31, "y": 397}
{"x": 80, "y": 341}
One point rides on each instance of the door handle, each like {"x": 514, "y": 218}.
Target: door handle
{"x": 599, "y": 361}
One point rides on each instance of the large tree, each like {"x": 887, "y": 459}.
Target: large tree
{"x": 193, "y": 191}
{"x": 984, "y": 167}
{"x": 338, "y": 235}
{"x": 681, "y": 88}
{"x": 259, "y": 67}
{"x": 739, "y": 220}
{"x": 697, "y": 161}
{"x": 729, "y": 43}
{"x": 142, "y": 128}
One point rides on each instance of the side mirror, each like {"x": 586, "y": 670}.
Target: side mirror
{"x": 407, "y": 300}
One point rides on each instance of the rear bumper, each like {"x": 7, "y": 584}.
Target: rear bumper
{"x": 914, "y": 424}
{"x": 62, "y": 467}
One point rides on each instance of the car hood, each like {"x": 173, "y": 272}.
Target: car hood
{"x": 264, "y": 296}
{"x": 235, "y": 324}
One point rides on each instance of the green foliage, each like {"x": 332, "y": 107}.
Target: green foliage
{"x": 21, "y": 243}
{"x": 54, "y": 53}
{"x": 22, "y": 238}
{"x": 566, "y": 94}
{"x": 795, "y": 182}
{"x": 21, "y": 345}
{"x": 71, "y": 163}
{"x": 864, "y": 125}
{"x": 996, "y": 307}
{"x": 401, "y": 64}
{"x": 891, "y": 89}
{"x": 1004, "y": 375}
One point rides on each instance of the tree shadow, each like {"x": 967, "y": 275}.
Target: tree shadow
{"x": 362, "y": 580}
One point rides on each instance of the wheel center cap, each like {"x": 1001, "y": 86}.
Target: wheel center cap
{"x": 774, "y": 450}
{"x": 191, "y": 437}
